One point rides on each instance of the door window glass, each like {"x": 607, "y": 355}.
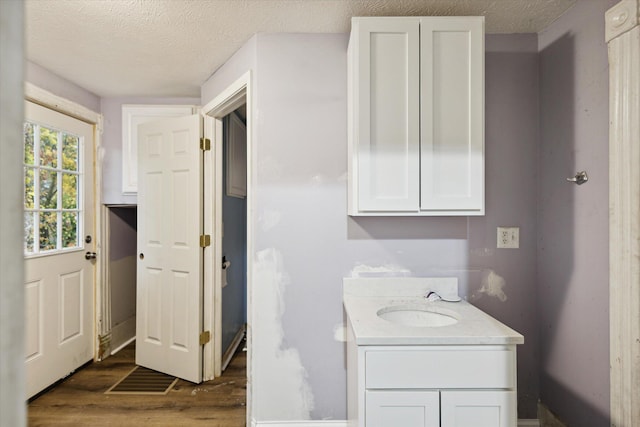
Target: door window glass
{"x": 52, "y": 183}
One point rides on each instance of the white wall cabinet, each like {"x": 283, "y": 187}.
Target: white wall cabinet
{"x": 132, "y": 116}
{"x": 416, "y": 116}
{"x": 236, "y": 138}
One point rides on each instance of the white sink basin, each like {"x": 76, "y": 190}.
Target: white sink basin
{"x": 415, "y": 316}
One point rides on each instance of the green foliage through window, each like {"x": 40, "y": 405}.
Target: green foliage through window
{"x": 51, "y": 189}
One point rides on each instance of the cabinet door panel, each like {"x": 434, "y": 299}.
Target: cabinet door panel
{"x": 478, "y": 409}
{"x": 387, "y": 105}
{"x": 452, "y": 116}
{"x": 402, "y": 408}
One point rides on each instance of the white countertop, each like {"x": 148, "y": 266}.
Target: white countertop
{"x": 364, "y": 297}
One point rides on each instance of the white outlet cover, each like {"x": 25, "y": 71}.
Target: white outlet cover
{"x": 508, "y": 237}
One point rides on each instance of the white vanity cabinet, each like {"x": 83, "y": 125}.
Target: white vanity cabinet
{"x": 416, "y": 116}
{"x": 431, "y": 385}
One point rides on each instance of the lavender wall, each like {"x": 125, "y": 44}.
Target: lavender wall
{"x": 573, "y": 241}
{"x": 304, "y": 243}
{"x": 57, "y": 85}
{"x": 242, "y": 61}
{"x": 511, "y": 138}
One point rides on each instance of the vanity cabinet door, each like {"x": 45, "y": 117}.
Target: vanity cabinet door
{"x": 385, "y": 114}
{"x": 402, "y": 408}
{"x": 478, "y": 408}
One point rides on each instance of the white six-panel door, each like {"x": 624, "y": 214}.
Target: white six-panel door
{"x": 169, "y": 270}
{"x": 59, "y": 214}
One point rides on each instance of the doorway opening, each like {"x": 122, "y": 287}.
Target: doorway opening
{"x": 234, "y": 101}
{"x": 120, "y": 274}
{"x": 234, "y": 232}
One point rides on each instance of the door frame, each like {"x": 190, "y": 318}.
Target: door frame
{"x": 622, "y": 27}
{"x": 62, "y": 105}
{"x": 236, "y": 94}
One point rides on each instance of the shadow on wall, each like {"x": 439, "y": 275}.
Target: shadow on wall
{"x": 407, "y": 228}
{"x": 560, "y": 334}
{"x": 556, "y": 206}
{"x": 570, "y": 399}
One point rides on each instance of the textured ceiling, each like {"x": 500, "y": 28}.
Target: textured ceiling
{"x": 170, "y": 47}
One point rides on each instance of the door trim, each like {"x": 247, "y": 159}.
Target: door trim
{"x": 62, "y": 105}
{"x": 622, "y": 32}
{"x": 236, "y": 94}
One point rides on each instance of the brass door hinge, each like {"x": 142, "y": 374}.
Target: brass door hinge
{"x": 205, "y": 240}
{"x": 205, "y": 337}
{"x": 205, "y": 144}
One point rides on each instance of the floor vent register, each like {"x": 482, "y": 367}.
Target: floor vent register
{"x": 143, "y": 381}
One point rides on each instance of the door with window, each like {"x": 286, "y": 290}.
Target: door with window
{"x": 58, "y": 245}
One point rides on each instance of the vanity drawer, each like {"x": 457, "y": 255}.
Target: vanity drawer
{"x": 441, "y": 367}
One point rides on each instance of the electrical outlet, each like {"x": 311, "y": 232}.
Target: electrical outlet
{"x": 508, "y": 237}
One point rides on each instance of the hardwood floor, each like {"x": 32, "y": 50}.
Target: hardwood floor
{"x": 80, "y": 400}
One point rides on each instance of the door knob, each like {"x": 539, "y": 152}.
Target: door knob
{"x": 90, "y": 255}
{"x": 580, "y": 178}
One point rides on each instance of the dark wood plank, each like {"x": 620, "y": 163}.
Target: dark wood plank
{"x": 79, "y": 400}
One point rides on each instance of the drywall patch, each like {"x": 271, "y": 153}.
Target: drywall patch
{"x": 483, "y": 252}
{"x": 268, "y": 219}
{"x": 493, "y": 285}
{"x": 385, "y": 270}
{"x": 281, "y": 389}
{"x": 318, "y": 180}
{"x": 270, "y": 167}
{"x": 340, "y": 333}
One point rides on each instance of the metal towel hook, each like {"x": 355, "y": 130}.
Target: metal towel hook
{"x": 580, "y": 178}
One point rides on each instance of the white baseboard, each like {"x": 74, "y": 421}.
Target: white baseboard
{"x": 123, "y": 334}
{"x": 228, "y": 355}
{"x": 311, "y": 423}
{"x": 334, "y": 423}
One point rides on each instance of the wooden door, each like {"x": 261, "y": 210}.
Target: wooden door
{"x": 169, "y": 269}
{"x": 59, "y": 215}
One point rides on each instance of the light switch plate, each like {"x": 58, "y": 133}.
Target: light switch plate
{"x": 508, "y": 237}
